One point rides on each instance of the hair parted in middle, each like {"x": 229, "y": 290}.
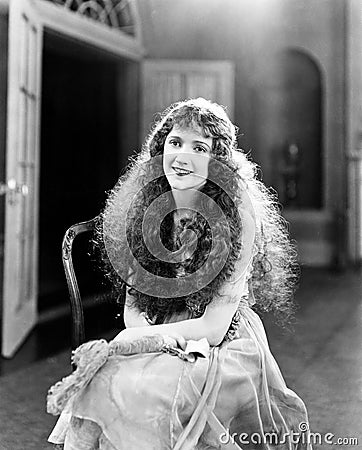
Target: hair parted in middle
{"x": 274, "y": 270}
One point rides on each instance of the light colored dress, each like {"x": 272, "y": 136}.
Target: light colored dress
{"x": 157, "y": 401}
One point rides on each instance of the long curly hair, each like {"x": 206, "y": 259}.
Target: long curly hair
{"x": 123, "y": 241}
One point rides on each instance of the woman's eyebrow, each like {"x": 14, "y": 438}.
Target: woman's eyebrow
{"x": 201, "y": 142}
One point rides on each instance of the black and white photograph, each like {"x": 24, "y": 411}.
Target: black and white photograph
{"x": 180, "y": 224}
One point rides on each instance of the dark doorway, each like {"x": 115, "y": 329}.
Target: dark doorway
{"x": 299, "y": 156}
{"x": 81, "y": 156}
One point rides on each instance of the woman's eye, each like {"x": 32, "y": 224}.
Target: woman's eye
{"x": 200, "y": 148}
{"x": 174, "y": 143}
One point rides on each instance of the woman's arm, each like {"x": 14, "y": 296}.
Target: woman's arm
{"x": 213, "y": 325}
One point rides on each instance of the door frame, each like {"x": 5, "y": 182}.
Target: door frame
{"x": 56, "y": 18}
{"x": 51, "y": 18}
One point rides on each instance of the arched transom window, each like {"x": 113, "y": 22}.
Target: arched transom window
{"x": 116, "y": 14}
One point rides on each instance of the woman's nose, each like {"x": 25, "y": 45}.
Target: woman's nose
{"x": 183, "y": 156}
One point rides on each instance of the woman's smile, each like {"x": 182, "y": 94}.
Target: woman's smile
{"x": 181, "y": 172}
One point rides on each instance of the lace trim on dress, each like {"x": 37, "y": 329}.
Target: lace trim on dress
{"x": 233, "y": 331}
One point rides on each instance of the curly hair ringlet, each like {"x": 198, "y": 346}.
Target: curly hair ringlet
{"x": 274, "y": 269}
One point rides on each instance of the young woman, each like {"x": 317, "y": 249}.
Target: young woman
{"x": 199, "y": 243}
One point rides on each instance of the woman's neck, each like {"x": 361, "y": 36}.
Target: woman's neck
{"x": 184, "y": 200}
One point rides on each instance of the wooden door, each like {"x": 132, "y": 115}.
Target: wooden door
{"x": 168, "y": 81}
{"x": 22, "y": 173}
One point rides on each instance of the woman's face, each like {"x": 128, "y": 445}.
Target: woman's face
{"x": 186, "y": 156}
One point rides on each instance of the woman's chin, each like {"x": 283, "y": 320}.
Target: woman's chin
{"x": 185, "y": 187}
{"x": 180, "y": 184}
{"x": 183, "y": 184}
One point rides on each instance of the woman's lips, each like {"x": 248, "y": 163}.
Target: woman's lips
{"x": 180, "y": 171}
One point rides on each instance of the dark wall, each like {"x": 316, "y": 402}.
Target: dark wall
{"x": 298, "y": 132}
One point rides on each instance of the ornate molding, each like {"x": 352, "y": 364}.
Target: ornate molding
{"x": 116, "y": 14}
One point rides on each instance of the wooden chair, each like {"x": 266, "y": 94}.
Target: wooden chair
{"x": 76, "y": 306}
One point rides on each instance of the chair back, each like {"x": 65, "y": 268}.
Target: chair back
{"x": 76, "y": 307}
